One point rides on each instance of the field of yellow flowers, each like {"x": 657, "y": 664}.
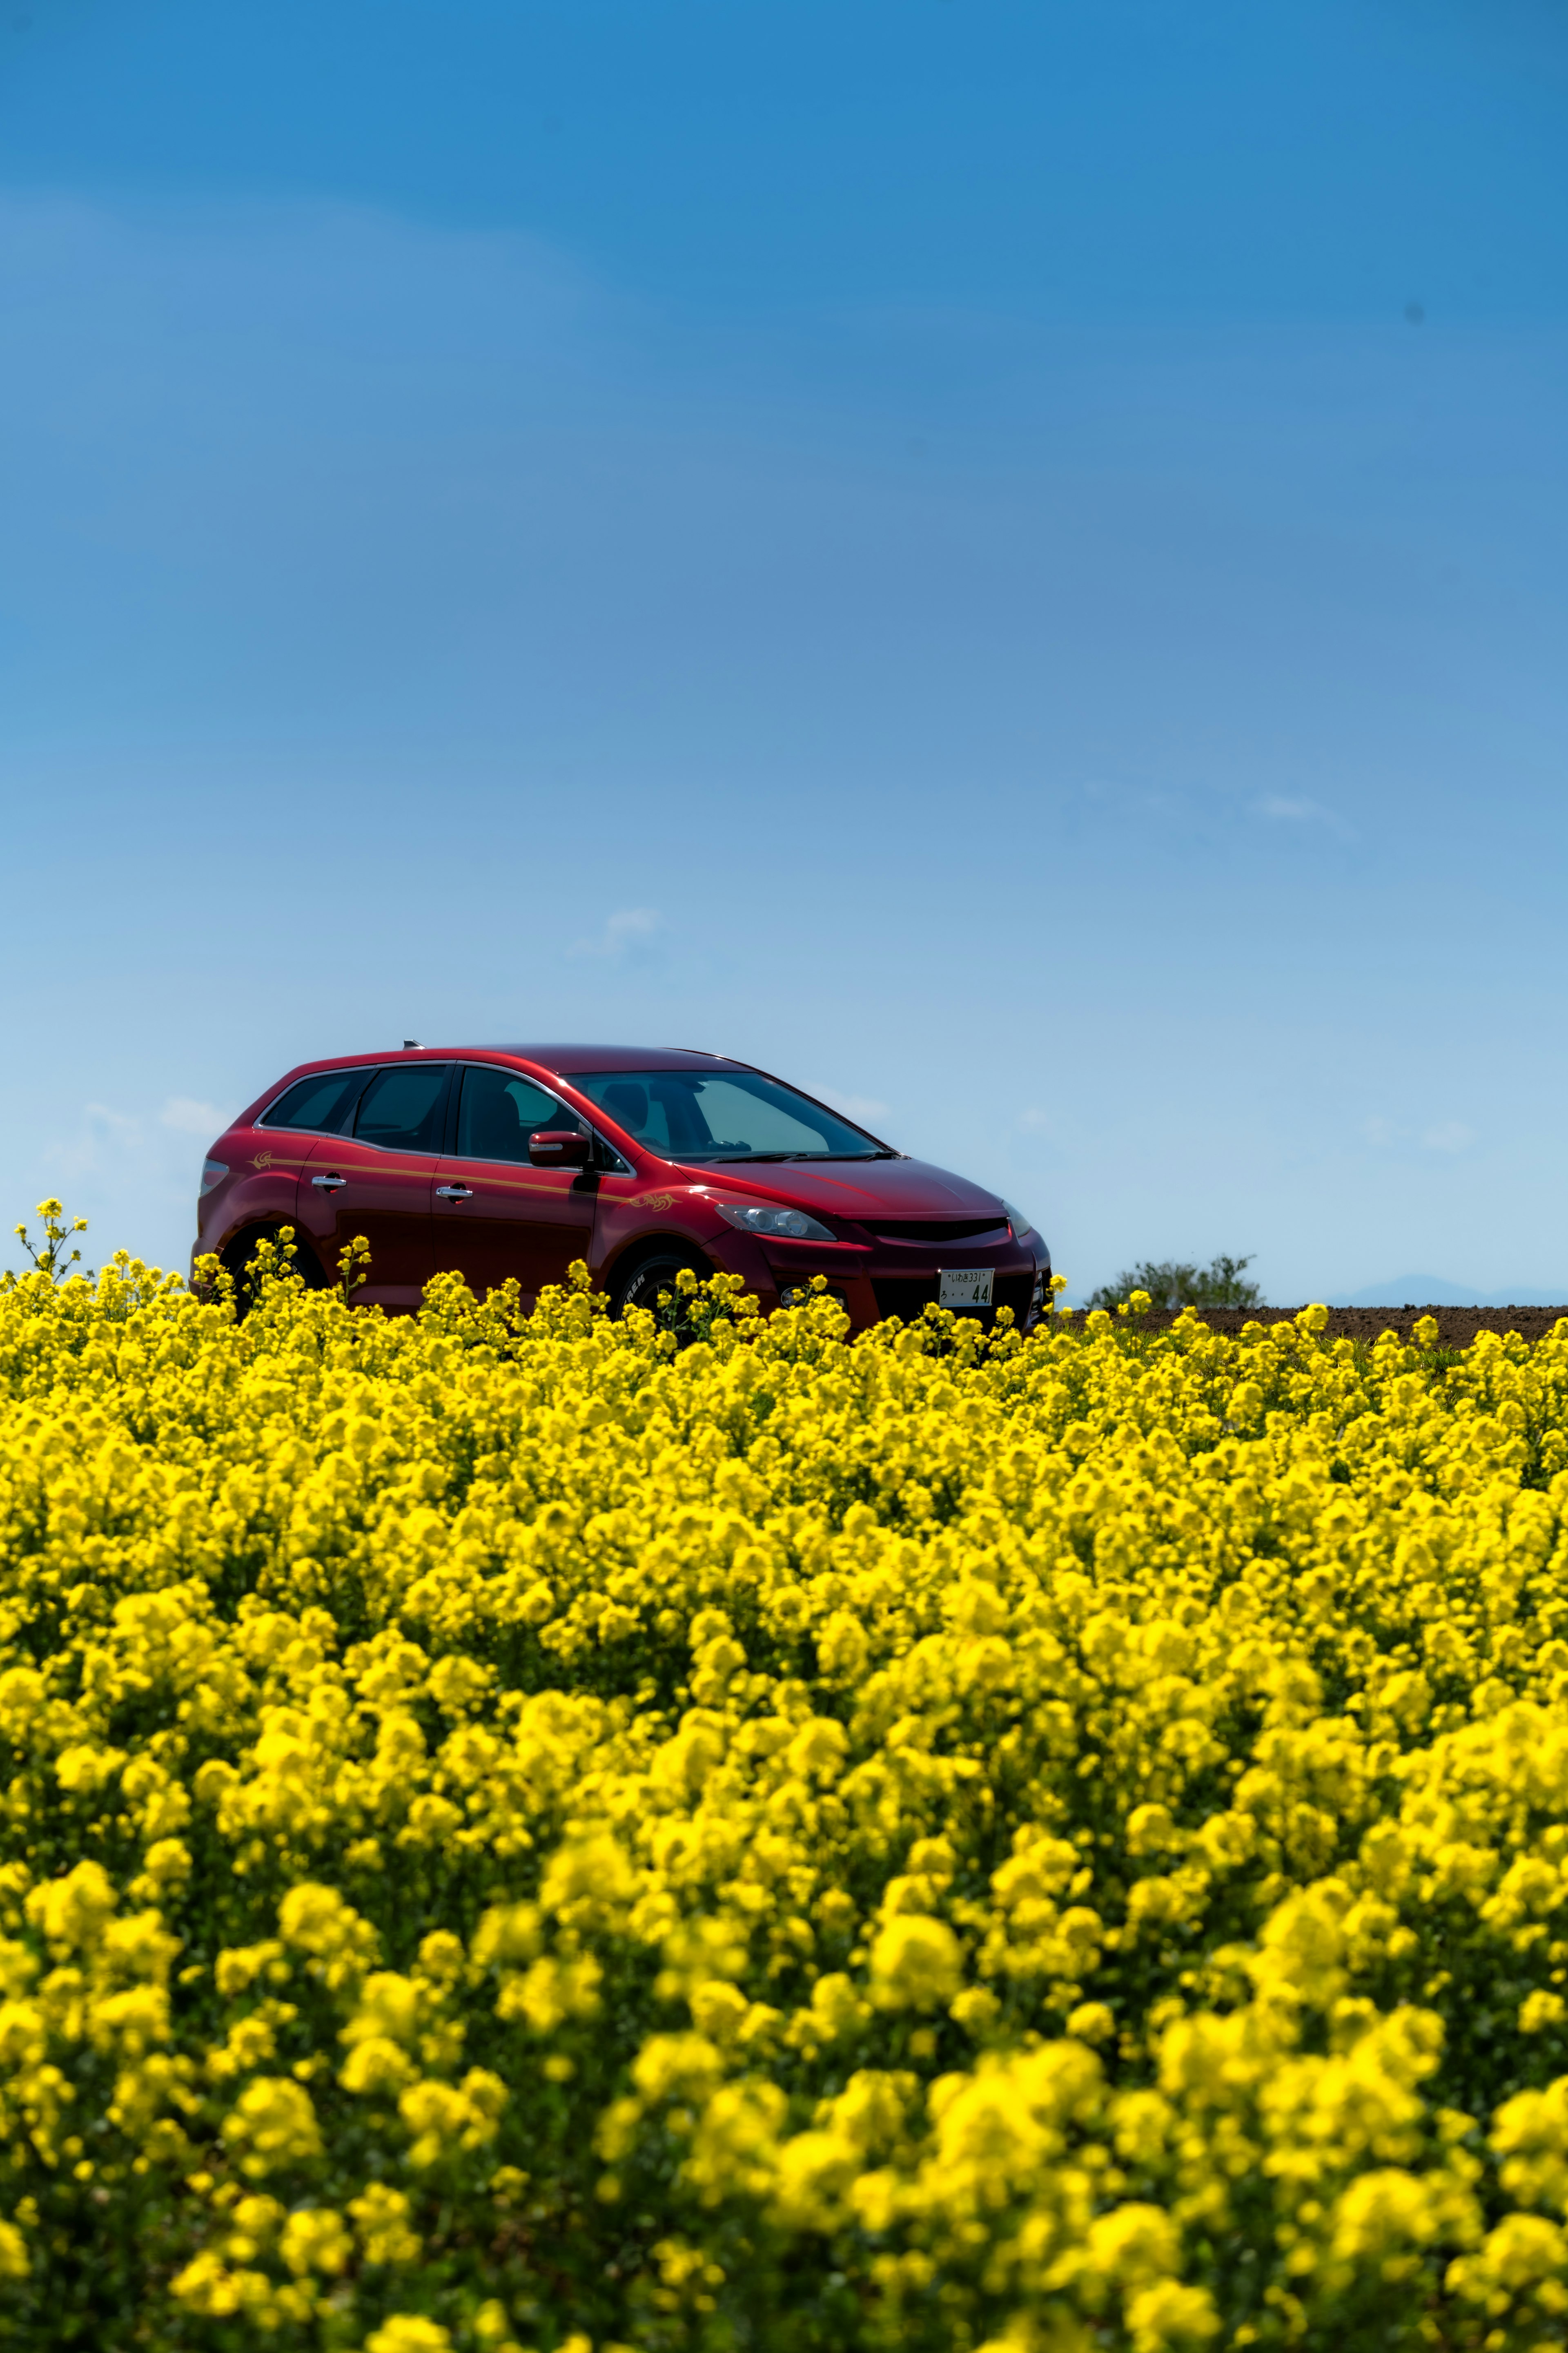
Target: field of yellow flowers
{"x": 519, "y": 1834}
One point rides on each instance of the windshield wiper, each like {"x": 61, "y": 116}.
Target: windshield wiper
{"x": 796, "y": 1156}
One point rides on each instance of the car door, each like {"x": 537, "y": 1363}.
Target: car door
{"x": 496, "y": 1216}
{"x": 377, "y": 1182}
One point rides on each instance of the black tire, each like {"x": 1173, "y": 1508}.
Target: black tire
{"x": 641, "y": 1283}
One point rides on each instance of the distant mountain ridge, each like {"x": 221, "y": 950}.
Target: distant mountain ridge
{"x": 1433, "y": 1291}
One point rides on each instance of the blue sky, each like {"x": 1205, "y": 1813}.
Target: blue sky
{"x": 1002, "y": 561}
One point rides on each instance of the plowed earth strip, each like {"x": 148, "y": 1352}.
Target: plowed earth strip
{"x": 1457, "y": 1326}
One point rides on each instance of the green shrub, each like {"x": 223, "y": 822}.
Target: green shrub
{"x": 1170, "y": 1283}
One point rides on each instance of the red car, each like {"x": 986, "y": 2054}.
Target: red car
{"x": 514, "y": 1160}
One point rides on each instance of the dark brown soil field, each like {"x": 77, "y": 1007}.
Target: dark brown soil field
{"x": 1457, "y": 1326}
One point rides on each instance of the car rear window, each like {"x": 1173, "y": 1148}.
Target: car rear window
{"x": 323, "y": 1104}
{"x": 402, "y": 1107}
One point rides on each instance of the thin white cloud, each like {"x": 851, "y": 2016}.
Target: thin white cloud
{"x": 188, "y": 1117}
{"x": 109, "y": 1145}
{"x": 627, "y": 934}
{"x": 1441, "y": 1135}
{"x": 105, "y": 1142}
{"x": 860, "y": 1107}
{"x": 1287, "y": 808}
{"x": 1033, "y": 1122}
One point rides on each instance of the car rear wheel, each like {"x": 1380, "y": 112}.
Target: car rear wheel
{"x": 641, "y": 1285}
{"x": 240, "y": 1258}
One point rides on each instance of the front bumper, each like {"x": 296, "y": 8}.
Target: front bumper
{"x": 874, "y": 1273}
{"x": 879, "y": 1283}
{"x": 908, "y": 1297}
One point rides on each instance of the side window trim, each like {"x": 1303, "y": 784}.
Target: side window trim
{"x": 368, "y": 1143}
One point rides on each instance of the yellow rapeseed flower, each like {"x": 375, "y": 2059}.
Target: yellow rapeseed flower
{"x": 517, "y": 1833}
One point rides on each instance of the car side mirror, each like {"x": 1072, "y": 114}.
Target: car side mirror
{"x": 559, "y": 1147}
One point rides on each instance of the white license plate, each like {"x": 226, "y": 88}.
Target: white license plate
{"x": 965, "y": 1286}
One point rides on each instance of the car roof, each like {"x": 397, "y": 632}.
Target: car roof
{"x": 572, "y": 1061}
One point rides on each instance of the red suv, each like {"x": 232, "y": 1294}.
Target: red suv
{"x": 514, "y": 1160}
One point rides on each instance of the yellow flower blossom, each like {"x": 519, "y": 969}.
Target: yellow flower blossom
{"x": 380, "y": 2216}
{"x": 409, "y": 2332}
{"x": 272, "y": 2125}
{"x": 915, "y": 1963}
{"x": 315, "y": 2241}
{"x": 938, "y": 1839}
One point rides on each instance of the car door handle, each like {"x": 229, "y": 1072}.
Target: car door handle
{"x": 329, "y": 1184}
{"x": 453, "y": 1192}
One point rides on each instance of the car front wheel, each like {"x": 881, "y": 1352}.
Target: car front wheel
{"x": 642, "y": 1285}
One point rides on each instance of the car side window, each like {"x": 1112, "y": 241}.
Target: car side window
{"x": 639, "y": 1107}
{"x": 401, "y": 1109}
{"x": 323, "y": 1104}
{"x": 500, "y": 1110}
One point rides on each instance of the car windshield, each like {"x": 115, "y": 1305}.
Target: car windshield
{"x": 729, "y": 1116}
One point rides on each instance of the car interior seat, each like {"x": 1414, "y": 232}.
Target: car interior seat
{"x": 627, "y": 1106}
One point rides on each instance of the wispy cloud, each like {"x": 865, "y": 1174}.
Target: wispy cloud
{"x": 1441, "y": 1135}
{"x": 1285, "y": 809}
{"x": 109, "y": 1144}
{"x": 105, "y": 1139}
{"x": 626, "y": 937}
{"x": 188, "y": 1117}
{"x": 852, "y": 1106}
{"x": 1033, "y": 1122}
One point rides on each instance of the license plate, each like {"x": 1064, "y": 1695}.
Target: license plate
{"x": 965, "y": 1286}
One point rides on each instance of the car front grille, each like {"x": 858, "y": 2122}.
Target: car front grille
{"x": 933, "y": 1229}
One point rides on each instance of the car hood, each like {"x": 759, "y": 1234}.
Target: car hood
{"x": 859, "y": 1189}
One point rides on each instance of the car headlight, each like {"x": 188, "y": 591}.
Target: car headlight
{"x": 1022, "y": 1228}
{"x": 213, "y": 1173}
{"x": 770, "y": 1217}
